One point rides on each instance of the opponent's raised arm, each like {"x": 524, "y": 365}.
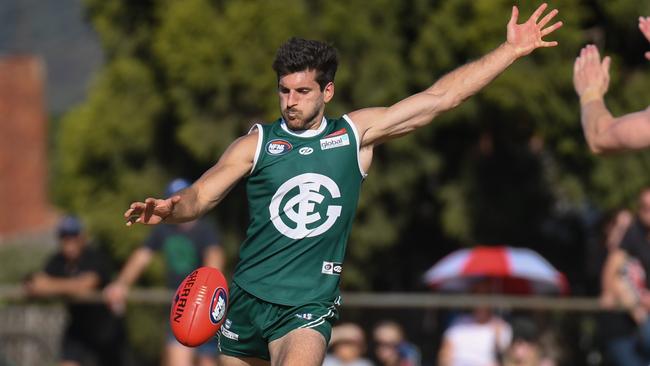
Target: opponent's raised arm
{"x": 644, "y": 27}
{"x": 192, "y": 202}
{"x": 603, "y": 132}
{"x": 379, "y": 124}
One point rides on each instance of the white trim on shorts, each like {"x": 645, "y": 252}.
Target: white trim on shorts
{"x": 320, "y": 320}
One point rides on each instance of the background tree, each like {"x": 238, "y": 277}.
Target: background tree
{"x": 182, "y": 79}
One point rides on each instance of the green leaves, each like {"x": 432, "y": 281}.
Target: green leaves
{"x": 183, "y": 79}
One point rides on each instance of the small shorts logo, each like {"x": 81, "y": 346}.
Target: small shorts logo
{"x": 332, "y": 268}
{"x": 229, "y": 334}
{"x": 218, "y": 305}
{"x": 334, "y": 142}
{"x": 305, "y": 150}
{"x": 305, "y": 316}
{"x": 278, "y": 147}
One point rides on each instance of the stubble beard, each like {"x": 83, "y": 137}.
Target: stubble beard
{"x": 297, "y": 122}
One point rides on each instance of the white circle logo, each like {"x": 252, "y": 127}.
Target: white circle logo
{"x": 305, "y": 150}
{"x": 301, "y": 208}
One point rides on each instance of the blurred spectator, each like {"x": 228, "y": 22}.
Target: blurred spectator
{"x": 526, "y": 348}
{"x": 392, "y": 348}
{"x": 612, "y": 228}
{"x": 75, "y": 271}
{"x": 476, "y": 339}
{"x": 185, "y": 247}
{"x": 347, "y": 346}
{"x": 624, "y": 283}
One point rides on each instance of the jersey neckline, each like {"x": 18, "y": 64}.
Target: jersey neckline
{"x": 306, "y": 133}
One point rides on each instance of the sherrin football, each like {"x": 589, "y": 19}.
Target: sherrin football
{"x": 199, "y": 306}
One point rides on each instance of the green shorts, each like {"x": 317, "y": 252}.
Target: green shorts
{"x": 252, "y": 323}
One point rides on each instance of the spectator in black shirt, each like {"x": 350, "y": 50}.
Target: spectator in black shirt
{"x": 75, "y": 271}
{"x": 625, "y": 283}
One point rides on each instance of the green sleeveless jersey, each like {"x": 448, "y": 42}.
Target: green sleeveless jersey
{"x": 302, "y": 196}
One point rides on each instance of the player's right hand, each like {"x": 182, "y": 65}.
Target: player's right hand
{"x": 150, "y": 212}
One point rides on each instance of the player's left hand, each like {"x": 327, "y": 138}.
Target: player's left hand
{"x": 526, "y": 37}
{"x": 644, "y": 26}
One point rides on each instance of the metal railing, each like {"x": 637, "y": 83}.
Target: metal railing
{"x": 376, "y": 300}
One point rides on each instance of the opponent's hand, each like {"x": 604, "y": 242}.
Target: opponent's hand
{"x": 590, "y": 75}
{"x": 150, "y": 212}
{"x": 644, "y": 26}
{"x": 525, "y": 38}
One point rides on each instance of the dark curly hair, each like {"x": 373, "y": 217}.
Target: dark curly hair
{"x": 299, "y": 54}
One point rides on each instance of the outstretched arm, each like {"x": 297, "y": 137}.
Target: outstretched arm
{"x": 603, "y": 132}
{"x": 380, "y": 124}
{"x": 192, "y": 202}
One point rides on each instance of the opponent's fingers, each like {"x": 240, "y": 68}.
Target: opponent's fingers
{"x": 547, "y": 18}
{"x": 647, "y": 55}
{"x": 605, "y": 65}
{"x": 514, "y": 15}
{"x": 175, "y": 199}
{"x": 644, "y": 24}
{"x": 552, "y": 28}
{"x": 592, "y": 54}
{"x": 576, "y": 65}
{"x": 538, "y": 12}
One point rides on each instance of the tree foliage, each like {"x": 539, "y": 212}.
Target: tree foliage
{"x": 184, "y": 78}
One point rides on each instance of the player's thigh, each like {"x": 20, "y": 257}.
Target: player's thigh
{"x": 225, "y": 360}
{"x": 178, "y": 355}
{"x": 299, "y": 347}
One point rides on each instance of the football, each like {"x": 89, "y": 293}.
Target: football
{"x": 199, "y": 306}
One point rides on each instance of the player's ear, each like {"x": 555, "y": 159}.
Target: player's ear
{"x": 328, "y": 91}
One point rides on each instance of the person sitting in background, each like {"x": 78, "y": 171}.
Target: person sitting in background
{"x": 75, "y": 271}
{"x": 185, "y": 247}
{"x": 347, "y": 346}
{"x": 625, "y": 283}
{"x": 391, "y": 347}
{"x": 476, "y": 339}
{"x": 526, "y": 348}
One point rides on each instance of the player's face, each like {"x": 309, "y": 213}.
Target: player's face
{"x": 302, "y": 102}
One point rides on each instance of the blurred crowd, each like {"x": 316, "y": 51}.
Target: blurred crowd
{"x": 480, "y": 337}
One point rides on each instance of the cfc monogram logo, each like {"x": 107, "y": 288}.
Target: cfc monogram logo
{"x": 301, "y": 208}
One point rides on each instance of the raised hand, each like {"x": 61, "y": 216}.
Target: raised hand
{"x": 150, "y": 212}
{"x": 590, "y": 75}
{"x": 528, "y": 36}
{"x": 644, "y": 26}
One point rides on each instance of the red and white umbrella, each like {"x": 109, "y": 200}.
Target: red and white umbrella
{"x": 515, "y": 271}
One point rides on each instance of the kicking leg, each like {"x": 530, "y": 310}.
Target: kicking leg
{"x": 225, "y": 360}
{"x": 300, "y": 347}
